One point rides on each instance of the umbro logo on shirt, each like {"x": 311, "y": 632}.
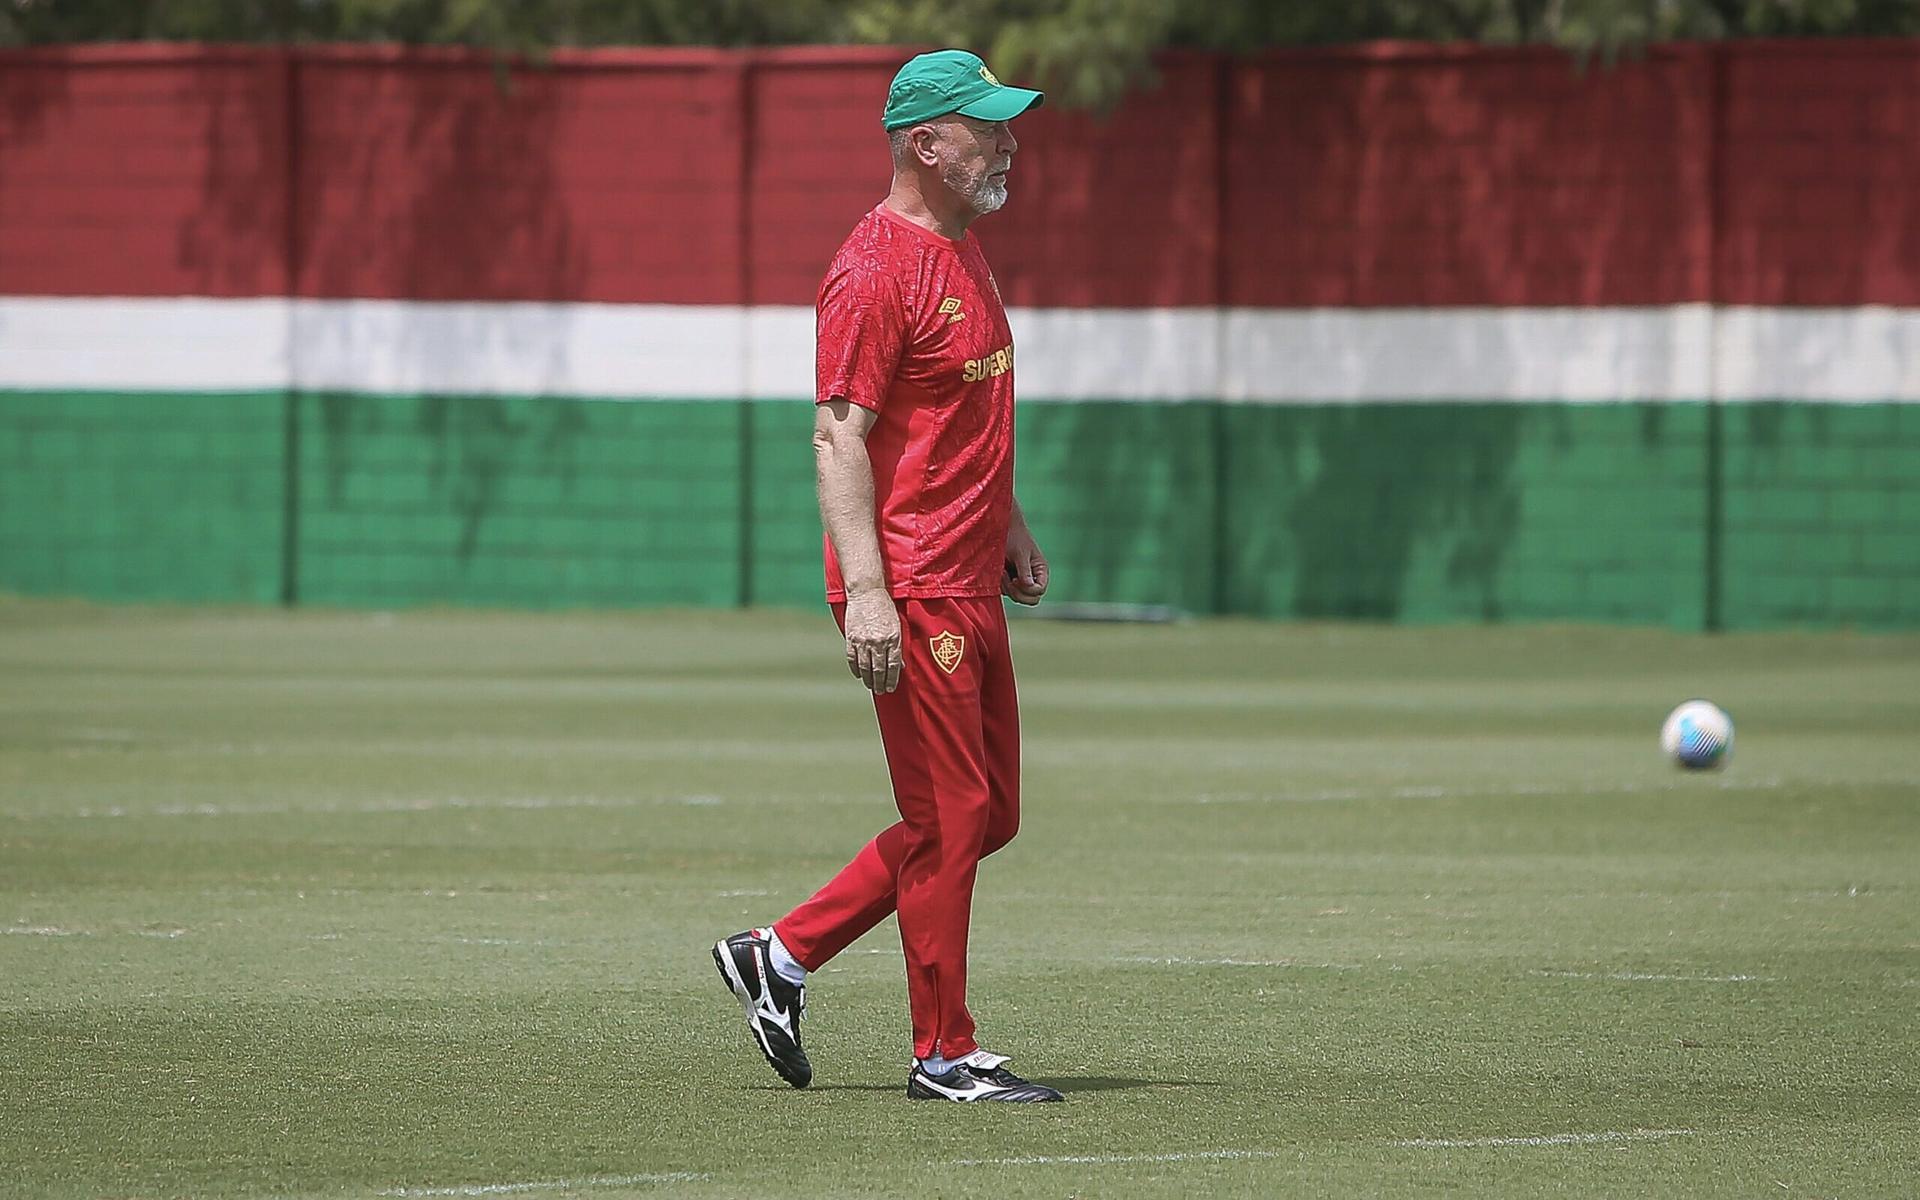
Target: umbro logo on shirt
{"x": 950, "y": 309}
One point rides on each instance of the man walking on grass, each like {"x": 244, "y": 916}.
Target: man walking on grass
{"x": 913, "y": 441}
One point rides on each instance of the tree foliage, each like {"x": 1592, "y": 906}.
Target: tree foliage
{"x": 1088, "y": 52}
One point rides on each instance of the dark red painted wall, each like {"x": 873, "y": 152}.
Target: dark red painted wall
{"x": 126, "y": 173}
{"x": 1499, "y": 178}
{"x": 426, "y": 181}
{"x": 1763, "y": 173}
{"x": 1821, "y": 161}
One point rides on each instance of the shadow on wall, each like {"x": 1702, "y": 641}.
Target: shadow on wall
{"x": 466, "y": 448}
{"x": 1382, "y": 508}
{"x": 1120, "y": 491}
{"x": 1820, "y": 137}
{"x": 29, "y": 93}
{"x": 1393, "y": 480}
{"x": 1440, "y": 189}
{"x": 234, "y": 241}
{"x": 476, "y": 442}
{"x": 450, "y": 170}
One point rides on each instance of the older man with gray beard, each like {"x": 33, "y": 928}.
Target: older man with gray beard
{"x": 913, "y": 445}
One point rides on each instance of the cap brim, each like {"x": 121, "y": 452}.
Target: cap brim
{"x": 1004, "y": 104}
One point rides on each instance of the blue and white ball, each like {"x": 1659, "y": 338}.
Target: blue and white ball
{"x": 1697, "y": 735}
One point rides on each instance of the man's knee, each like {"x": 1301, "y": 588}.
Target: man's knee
{"x": 1001, "y": 827}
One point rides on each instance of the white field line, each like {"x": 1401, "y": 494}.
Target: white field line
{"x": 56, "y": 931}
{"x": 399, "y": 805}
{"x": 540, "y": 803}
{"x": 1137, "y": 960}
{"x": 1307, "y": 965}
{"x": 1644, "y": 977}
{"x": 550, "y": 1185}
{"x": 623, "y": 750}
{"x": 1182, "y": 961}
{"x": 1426, "y": 792}
{"x": 432, "y": 940}
{"x": 1042, "y": 1160}
{"x": 1550, "y": 1139}
{"x": 1553, "y": 1139}
{"x": 174, "y": 934}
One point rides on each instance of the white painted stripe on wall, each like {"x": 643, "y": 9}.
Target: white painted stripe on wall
{"x": 1578, "y": 354}
{"x": 170, "y": 344}
{"x": 780, "y": 352}
{"x": 1857, "y": 355}
{"x": 396, "y": 346}
{"x": 1117, "y": 353}
{"x": 721, "y": 352}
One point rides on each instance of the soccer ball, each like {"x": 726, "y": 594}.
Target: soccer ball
{"x": 1697, "y": 735}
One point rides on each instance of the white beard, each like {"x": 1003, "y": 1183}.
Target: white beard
{"x": 991, "y": 195}
{"x": 984, "y": 197}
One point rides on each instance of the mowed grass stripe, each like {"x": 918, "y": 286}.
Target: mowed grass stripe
{"x": 373, "y": 903}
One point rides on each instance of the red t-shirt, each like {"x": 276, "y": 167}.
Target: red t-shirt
{"x": 911, "y": 326}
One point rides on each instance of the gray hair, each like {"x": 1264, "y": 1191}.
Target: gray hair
{"x": 901, "y": 147}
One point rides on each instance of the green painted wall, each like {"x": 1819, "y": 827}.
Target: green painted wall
{"x": 1822, "y": 514}
{"x": 518, "y": 502}
{"x": 1449, "y": 512}
{"x": 142, "y": 497}
{"x": 1416, "y": 512}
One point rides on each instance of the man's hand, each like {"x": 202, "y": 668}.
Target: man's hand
{"x": 1025, "y": 580}
{"x": 873, "y": 640}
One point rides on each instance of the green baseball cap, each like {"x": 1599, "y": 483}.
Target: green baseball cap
{"x": 947, "y": 81}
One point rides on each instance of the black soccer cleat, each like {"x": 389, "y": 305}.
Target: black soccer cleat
{"x": 984, "y": 1078}
{"x": 773, "y": 1006}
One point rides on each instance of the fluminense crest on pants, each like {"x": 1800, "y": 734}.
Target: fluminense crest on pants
{"x": 948, "y": 649}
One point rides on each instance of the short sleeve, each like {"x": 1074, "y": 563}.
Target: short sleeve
{"x": 861, "y": 333}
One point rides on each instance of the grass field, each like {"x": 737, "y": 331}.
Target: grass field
{"x": 334, "y": 904}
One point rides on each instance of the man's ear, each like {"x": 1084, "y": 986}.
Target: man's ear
{"x": 920, "y": 140}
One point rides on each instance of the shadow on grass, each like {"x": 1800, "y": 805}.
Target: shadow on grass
{"x": 1068, "y": 1084}
{"x": 1065, "y": 1084}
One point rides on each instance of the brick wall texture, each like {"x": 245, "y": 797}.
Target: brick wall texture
{"x": 1778, "y": 174}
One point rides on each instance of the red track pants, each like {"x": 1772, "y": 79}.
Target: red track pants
{"x": 952, "y": 735}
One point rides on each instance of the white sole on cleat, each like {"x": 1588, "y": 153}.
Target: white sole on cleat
{"x": 921, "y": 1086}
